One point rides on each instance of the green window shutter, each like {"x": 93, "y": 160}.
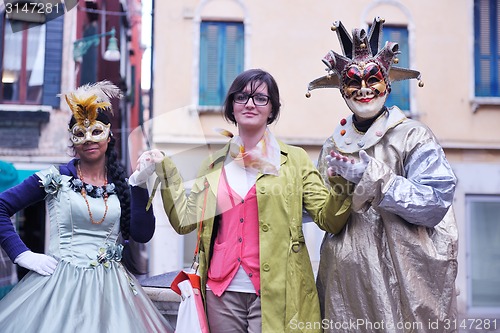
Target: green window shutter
{"x": 221, "y": 59}
{"x": 233, "y": 56}
{"x": 486, "y": 50}
{"x": 400, "y": 90}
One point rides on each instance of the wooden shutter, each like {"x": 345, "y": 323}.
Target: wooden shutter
{"x": 486, "y": 50}
{"x": 400, "y": 92}
{"x": 88, "y": 66}
{"x": 221, "y": 59}
{"x": 232, "y": 63}
{"x": 209, "y": 63}
{"x": 53, "y": 61}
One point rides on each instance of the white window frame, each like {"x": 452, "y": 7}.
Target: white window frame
{"x": 470, "y": 229}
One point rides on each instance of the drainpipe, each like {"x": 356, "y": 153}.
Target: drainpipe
{"x": 151, "y": 88}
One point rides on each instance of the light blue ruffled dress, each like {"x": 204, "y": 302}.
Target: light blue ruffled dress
{"x": 90, "y": 290}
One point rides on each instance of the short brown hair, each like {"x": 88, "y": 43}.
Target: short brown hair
{"x": 255, "y": 77}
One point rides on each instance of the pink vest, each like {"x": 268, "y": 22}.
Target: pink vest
{"x": 237, "y": 240}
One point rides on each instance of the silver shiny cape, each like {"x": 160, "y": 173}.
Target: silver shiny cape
{"x": 393, "y": 267}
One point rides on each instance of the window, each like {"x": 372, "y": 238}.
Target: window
{"x": 221, "y": 59}
{"x": 31, "y": 61}
{"x": 484, "y": 252}
{"x": 23, "y": 62}
{"x": 400, "y": 90}
{"x": 486, "y": 51}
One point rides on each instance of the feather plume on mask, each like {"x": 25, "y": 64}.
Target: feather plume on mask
{"x": 86, "y": 101}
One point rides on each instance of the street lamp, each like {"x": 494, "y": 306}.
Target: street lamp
{"x": 81, "y": 46}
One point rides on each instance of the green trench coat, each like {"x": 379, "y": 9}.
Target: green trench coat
{"x": 289, "y": 299}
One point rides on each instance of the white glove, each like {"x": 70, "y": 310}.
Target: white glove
{"x": 145, "y": 166}
{"x": 349, "y": 169}
{"x": 38, "y": 262}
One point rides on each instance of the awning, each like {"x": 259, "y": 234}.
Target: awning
{"x": 10, "y": 176}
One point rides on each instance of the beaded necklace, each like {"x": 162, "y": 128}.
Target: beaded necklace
{"x": 83, "y": 191}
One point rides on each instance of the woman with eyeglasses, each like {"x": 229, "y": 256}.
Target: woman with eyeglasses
{"x": 255, "y": 269}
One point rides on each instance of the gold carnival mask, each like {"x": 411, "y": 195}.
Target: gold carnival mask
{"x": 96, "y": 132}
{"x": 86, "y": 102}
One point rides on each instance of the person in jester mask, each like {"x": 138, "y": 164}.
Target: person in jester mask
{"x": 394, "y": 264}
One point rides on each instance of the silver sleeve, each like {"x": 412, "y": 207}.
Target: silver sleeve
{"x": 421, "y": 197}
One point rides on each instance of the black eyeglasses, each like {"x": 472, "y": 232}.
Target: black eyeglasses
{"x": 258, "y": 99}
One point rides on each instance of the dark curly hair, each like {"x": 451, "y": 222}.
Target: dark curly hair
{"x": 117, "y": 174}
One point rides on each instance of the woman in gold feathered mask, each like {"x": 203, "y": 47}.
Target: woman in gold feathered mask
{"x": 80, "y": 284}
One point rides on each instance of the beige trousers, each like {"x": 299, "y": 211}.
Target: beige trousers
{"x": 234, "y": 312}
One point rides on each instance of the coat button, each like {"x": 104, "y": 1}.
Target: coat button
{"x": 266, "y": 267}
{"x": 265, "y": 227}
{"x": 240, "y": 239}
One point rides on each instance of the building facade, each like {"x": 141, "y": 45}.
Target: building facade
{"x": 199, "y": 46}
{"x": 46, "y": 54}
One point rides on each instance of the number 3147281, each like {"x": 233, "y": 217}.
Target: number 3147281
{"x": 31, "y": 8}
{"x": 475, "y": 324}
